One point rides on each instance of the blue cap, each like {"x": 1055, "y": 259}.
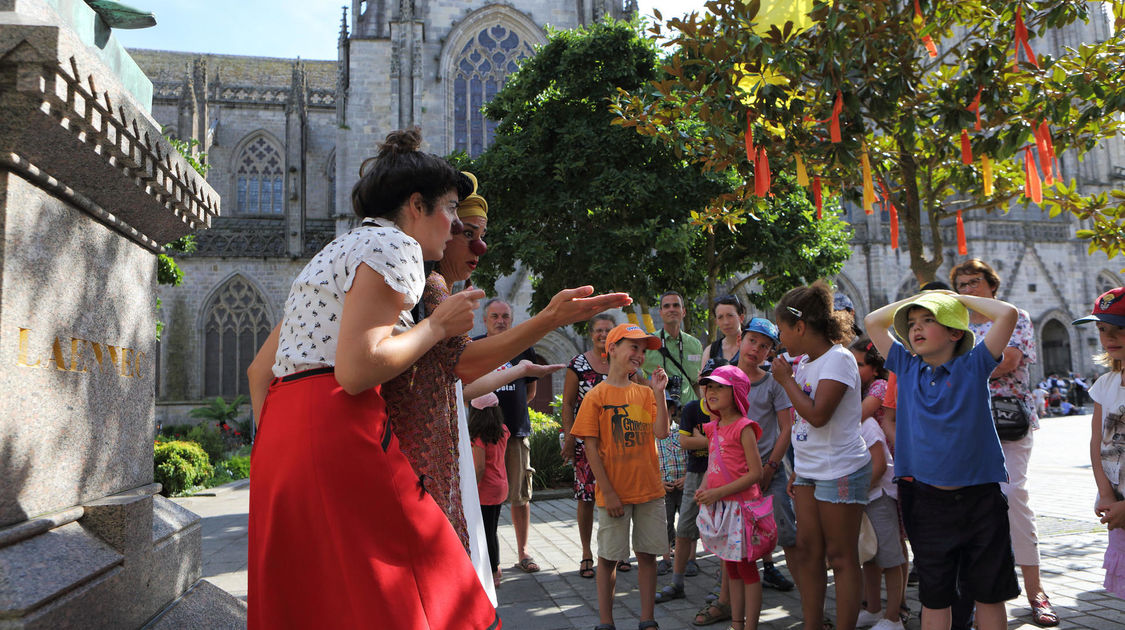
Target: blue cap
{"x": 762, "y": 326}
{"x": 841, "y": 302}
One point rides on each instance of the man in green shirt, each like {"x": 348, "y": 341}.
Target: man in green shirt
{"x": 681, "y": 355}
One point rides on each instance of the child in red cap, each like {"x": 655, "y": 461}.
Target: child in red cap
{"x": 620, "y": 421}
{"x": 1107, "y": 439}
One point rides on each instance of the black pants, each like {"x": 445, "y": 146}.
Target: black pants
{"x": 491, "y": 514}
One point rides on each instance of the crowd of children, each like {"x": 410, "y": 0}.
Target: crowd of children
{"x": 804, "y": 456}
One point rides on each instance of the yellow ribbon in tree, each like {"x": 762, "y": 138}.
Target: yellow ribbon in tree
{"x": 777, "y": 12}
{"x": 802, "y": 174}
{"x": 986, "y": 170}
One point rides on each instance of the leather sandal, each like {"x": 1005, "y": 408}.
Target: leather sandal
{"x": 705, "y": 617}
{"x": 1042, "y": 613}
{"x": 586, "y": 568}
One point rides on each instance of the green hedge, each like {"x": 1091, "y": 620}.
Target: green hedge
{"x": 180, "y": 465}
{"x": 546, "y": 459}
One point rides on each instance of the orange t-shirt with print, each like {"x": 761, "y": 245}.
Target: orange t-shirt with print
{"x": 621, "y": 418}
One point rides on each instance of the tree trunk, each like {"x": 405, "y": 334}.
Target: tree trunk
{"x": 923, "y": 268}
{"x": 712, "y": 280}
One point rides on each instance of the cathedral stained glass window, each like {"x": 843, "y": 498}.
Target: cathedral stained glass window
{"x": 481, "y": 69}
{"x": 259, "y": 174}
{"x": 236, "y": 324}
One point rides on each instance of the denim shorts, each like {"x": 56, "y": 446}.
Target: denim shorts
{"x": 851, "y": 488}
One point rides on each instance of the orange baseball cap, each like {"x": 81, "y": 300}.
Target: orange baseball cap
{"x": 632, "y": 331}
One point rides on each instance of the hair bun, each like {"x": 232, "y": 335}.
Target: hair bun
{"x": 401, "y": 142}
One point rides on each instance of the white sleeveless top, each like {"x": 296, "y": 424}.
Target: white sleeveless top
{"x": 311, "y": 323}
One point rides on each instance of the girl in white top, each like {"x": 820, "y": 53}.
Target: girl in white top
{"x": 1107, "y": 438}
{"x": 831, "y": 461}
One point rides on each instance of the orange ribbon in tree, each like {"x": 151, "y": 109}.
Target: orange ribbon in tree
{"x": 1046, "y": 149}
{"x": 834, "y": 119}
{"x": 816, "y": 195}
{"x": 926, "y": 39}
{"x": 893, "y": 211}
{"x": 962, "y": 246}
{"x": 1021, "y": 42}
{"x": 1031, "y": 177}
{"x": 762, "y": 174}
{"x": 975, "y": 107}
{"x": 966, "y": 148}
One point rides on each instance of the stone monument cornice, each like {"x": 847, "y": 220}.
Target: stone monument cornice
{"x": 58, "y": 120}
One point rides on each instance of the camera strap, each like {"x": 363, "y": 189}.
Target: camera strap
{"x": 668, "y": 355}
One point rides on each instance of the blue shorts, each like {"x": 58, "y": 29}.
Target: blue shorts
{"x": 851, "y": 488}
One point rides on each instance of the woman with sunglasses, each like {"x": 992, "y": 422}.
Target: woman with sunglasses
{"x": 339, "y": 535}
{"x": 729, "y": 314}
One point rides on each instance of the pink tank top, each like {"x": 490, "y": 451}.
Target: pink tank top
{"x": 726, "y": 459}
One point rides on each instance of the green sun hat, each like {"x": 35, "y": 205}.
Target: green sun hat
{"x": 948, "y": 311}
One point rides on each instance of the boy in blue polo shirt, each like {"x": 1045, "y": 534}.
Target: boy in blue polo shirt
{"x": 948, "y": 458}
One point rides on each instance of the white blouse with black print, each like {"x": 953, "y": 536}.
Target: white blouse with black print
{"x": 316, "y": 299}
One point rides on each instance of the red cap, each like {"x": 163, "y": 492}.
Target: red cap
{"x": 1109, "y": 308}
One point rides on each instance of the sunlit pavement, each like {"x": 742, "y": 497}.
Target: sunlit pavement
{"x": 1072, "y": 543}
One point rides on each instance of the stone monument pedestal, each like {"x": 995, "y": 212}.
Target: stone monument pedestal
{"x": 89, "y": 191}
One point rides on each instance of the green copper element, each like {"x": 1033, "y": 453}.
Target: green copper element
{"x": 118, "y": 15}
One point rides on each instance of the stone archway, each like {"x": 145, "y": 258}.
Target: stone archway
{"x": 1055, "y": 348}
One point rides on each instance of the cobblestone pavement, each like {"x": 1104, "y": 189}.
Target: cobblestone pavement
{"x": 1062, "y": 493}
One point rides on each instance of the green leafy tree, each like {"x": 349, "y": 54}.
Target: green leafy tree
{"x": 579, "y": 200}
{"x": 867, "y": 65}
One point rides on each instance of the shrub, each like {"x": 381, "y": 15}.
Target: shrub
{"x": 208, "y": 437}
{"x": 228, "y": 470}
{"x": 179, "y": 465}
{"x": 239, "y": 466}
{"x": 546, "y": 458}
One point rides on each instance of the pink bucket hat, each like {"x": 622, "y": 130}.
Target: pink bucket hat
{"x": 734, "y": 378}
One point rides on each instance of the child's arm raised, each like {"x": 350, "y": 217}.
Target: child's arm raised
{"x": 662, "y": 426}
{"x": 1003, "y": 315}
{"x": 613, "y": 504}
{"x": 753, "y": 462}
{"x": 878, "y": 325}
{"x": 818, "y": 411}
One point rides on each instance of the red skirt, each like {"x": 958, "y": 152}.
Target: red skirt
{"x": 342, "y": 534}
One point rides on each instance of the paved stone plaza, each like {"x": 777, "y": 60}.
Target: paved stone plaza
{"x": 1062, "y": 494}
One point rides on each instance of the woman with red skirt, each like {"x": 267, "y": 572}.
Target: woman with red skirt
{"x": 342, "y": 531}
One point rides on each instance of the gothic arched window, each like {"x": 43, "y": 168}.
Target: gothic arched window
{"x": 235, "y": 325}
{"x": 1106, "y": 281}
{"x": 259, "y": 178}
{"x": 480, "y": 69}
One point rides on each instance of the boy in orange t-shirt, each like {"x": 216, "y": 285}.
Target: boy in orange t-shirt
{"x": 619, "y": 421}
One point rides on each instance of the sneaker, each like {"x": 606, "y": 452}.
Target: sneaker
{"x": 664, "y": 567}
{"x": 887, "y": 624}
{"x": 772, "y": 577}
{"x": 868, "y": 619}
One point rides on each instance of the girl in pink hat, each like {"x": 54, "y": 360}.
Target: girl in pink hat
{"x": 730, "y": 493}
